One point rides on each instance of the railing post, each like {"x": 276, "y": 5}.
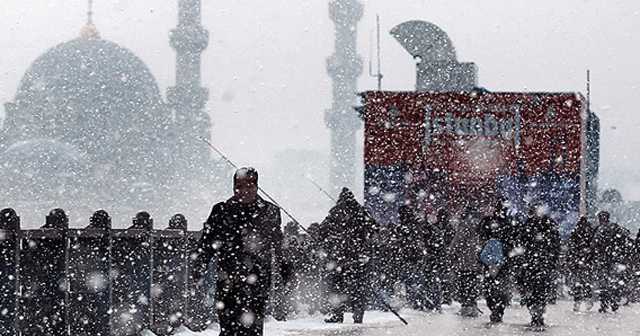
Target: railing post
{"x": 169, "y": 276}
{"x": 89, "y": 283}
{"x": 9, "y": 247}
{"x": 131, "y": 260}
{"x": 43, "y": 283}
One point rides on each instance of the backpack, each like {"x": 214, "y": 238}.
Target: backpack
{"x": 492, "y": 253}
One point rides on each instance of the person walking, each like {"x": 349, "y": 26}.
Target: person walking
{"x": 497, "y": 240}
{"x": 580, "y": 262}
{"x": 466, "y": 268}
{"x": 349, "y": 253}
{"x": 540, "y": 241}
{"x": 610, "y": 256}
{"x": 244, "y": 234}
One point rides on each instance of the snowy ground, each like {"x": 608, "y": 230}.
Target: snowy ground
{"x": 561, "y": 319}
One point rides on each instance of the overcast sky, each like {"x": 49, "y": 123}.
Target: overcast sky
{"x": 265, "y": 65}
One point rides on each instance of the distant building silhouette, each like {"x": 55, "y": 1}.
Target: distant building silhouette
{"x": 88, "y": 128}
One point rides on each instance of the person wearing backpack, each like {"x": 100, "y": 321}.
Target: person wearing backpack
{"x": 497, "y": 238}
{"x": 540, "y": 239}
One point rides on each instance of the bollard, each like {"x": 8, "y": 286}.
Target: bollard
{"x": 168, "y": 289}
{"x": 89, "y": 284}
{"x": 131, "y": 260}
{"x": 9, "y": 238}
{"x": 200, "y": 306}
{"x": 42, "y": 278}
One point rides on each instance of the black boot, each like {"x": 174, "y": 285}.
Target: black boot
{"x": 614, "y": 306}
{"x": 537, "y": 321}
{"x": 335, "y": 318}
{"x": 537, "y": 324}
{"x": 358, "y": 316}
{"x": 603, "y": 307}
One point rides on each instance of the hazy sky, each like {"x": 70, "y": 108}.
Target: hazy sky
{"x": 265, "y": 65}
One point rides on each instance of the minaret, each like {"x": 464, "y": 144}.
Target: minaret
{"x": 344, "y": 67}
{"x": 188, "y": 98}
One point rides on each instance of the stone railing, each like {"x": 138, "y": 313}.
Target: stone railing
{"x": 98, "y": 281}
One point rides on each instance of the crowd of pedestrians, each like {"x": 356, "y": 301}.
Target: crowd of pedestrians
{"x": 349, "y": 263}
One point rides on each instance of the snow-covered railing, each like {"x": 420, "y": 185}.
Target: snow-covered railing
{"x": 98, "y": 281}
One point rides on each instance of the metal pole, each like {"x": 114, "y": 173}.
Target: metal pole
{"x": 294, "y": 220}
{"x": 379, "y": 58}
{"x": 259, "y": 188}
{"x": 588, "y": 90}
{"x": 321, "y": 189}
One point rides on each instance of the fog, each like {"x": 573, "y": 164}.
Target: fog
{"x": 265, "y": 68}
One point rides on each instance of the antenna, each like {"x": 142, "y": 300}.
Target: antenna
{"x": 379, "y": 58}
{"x": 377, "y": 75}
{"x": 371, "y": 74}
{"x": 588, "y": 91}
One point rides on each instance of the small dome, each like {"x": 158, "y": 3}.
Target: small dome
{"x": 50, "y": 152}
{"x": 41, "y": 166}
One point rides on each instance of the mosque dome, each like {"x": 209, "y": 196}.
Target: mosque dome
{"x": 87, "y": 65}
{"x": 98, "y": 97}
{"x": 102, "y": 127}
{"x": 87, "y": 86}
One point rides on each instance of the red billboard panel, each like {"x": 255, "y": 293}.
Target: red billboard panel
{"x": 475, "y": 137}
{"x": 472, "y": 140}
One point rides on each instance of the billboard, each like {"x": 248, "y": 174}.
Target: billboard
{"x": 468, "y": 149}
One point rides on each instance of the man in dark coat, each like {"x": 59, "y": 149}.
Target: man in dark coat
{"x": 444, "y": 224}
{"x": 434, "y": 263}
{"x": 244, "y": 235}
{"x": 610, "y": 253}
{"x": 295, "y": 267}
{"x": 315, "y": 250}
{"x": 635, "y": 270}
{"x": 465, "y": 264}
{"x": 580, "y": 261}
{"x": 349, "y": 252}
{"x": 408, "y": 252}
{"x": 499, "y": 226}
{"x": 540, "y": 241}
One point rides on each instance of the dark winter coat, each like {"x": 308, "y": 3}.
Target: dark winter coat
{"x": 465, "y": 247}
{"x": 444, "y": 224}
{"x": 408, "y": 241}
{"x": 580, "y": 253}
{"x": 296, "y": 259}
{"x": 348, "y": 242}
{"x": 435, "y": 247}
{"x": 244, "y": 238}
{"x": 611, "y": 247}
{"x": 540, "y": 241}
